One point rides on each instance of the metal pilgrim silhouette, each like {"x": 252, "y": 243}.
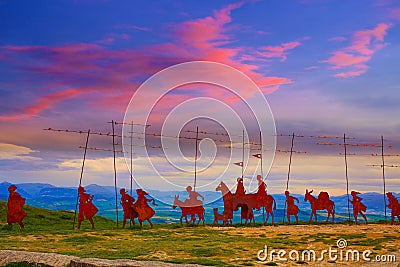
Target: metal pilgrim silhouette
{"x": 15, "y": 204}
{"x": 86, "y": 207}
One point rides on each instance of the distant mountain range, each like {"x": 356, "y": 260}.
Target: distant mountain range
{"x": 64, "y": 198}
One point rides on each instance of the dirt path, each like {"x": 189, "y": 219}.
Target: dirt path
{"x": 58, "y": 260}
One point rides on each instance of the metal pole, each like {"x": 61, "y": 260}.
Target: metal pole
{"x": 115, "y": 173}
{"x": 383, "y": 177}
{"x": 131, "y": 157}
{"x": 242, "y": 153}
{"x": 290, "y": 163}
{"x": 261, "y": 168}
{"x": 347, "y": 177}
{"x": 195, "y": 159}
{"x": 261, "y": 152}
{"x": 80, "y": 179}
{"x": 131, "y": 136}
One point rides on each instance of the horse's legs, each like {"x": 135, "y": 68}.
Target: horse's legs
{"x": 273, "y": 218}
{"x": 250, "y": 215}
{"x": 140, "y": 222}
{"x": 329, "y": 215}
{"x": 151, "y": 225}
{"x": 309, "y": 222}
{"x": 297, "y": 218}
{"x": 266, "y": 219}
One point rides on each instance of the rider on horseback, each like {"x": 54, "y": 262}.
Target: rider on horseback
{"x": 240, "y": 187}
{"x": 262, "y": 192}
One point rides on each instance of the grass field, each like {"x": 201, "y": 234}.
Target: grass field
{"x": 51, "y": 231}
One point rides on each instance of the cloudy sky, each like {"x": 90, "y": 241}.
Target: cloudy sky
{"x": 325, "y": 67}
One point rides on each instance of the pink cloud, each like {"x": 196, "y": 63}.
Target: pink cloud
{"x": 279, "y": 51}
{"x": 43, "y": 103}
{"x": 342, "y": 59}
{"x": 353, "y": 59}
{"x": 350, "y": 74}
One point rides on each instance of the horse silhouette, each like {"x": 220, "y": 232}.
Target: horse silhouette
{"x": 321, "y": 203}
{"x": 252, "y": 202}
{"x": 228, "y": 200}
{"x": 248, "y": 202}
{"x": 189, "y": 210}
{"x": 394, "y": 206}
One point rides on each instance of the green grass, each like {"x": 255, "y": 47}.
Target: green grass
{"x": 50, "y": 221}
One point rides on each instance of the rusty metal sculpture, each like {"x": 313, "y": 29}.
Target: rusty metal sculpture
{"x": 244, "y": 210}
{"x": 191, "y": 210}
{"x": 292, "y": 208}
{"x": 86, "y": 207}
{"x": 394, "y": 206}
{"x": 248, "y": 202}
{"x": 144, "y": 211}
{"x": 192, "y": 201}
{"x": 127, "y": 205}
{"x": 256, "y": 201}
{"x": 321, "y": 203}
{"x": 15, "y": 204}
{"x": 218, "y": 217}
{"x": 240, "y": 188}
{"x": 228, "y": 202}
{"x": 358, "y": 207}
